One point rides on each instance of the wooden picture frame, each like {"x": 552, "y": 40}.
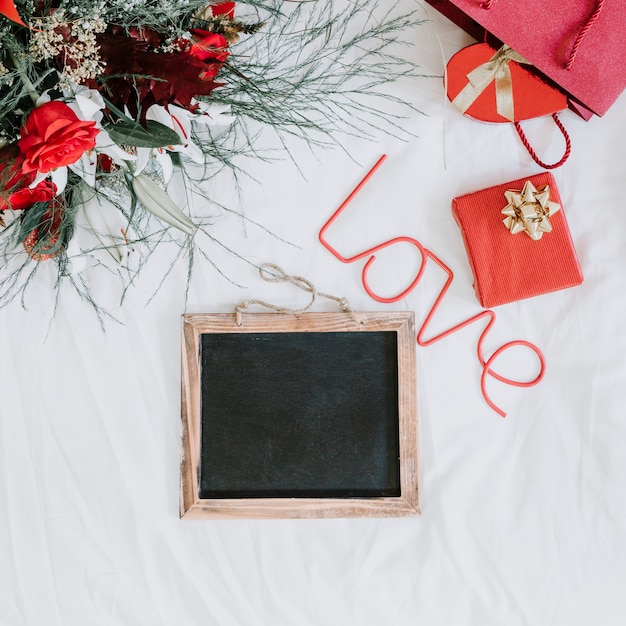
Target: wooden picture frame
{"x": 357, "y": 346}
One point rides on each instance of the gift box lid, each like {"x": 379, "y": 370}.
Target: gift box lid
{"x": 544, "y": 33}
{"x": 509, "y": 267}
{"x": 473, "y": 86}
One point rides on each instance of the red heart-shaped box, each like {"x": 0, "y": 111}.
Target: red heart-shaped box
{"x": 544, "y": 32}
{"x": 532, "y": 96}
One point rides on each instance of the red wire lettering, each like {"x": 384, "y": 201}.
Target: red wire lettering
{"x": 370, "y": 252}
{"x": 486, "y": 364}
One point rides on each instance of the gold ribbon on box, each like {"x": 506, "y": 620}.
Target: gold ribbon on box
{"x": 496, "y": 69}
{"x": 529, "y": 210}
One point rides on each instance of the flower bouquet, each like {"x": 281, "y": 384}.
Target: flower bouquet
{"x": 104, "y": 103}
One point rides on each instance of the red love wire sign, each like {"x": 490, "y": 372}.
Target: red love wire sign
{"x": 490, "y": 316}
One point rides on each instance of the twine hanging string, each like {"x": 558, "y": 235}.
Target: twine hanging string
{"x": 272, "y": 273}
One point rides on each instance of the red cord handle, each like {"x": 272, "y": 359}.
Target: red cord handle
{"x": 425, "y": 255}
{"x": 533, "y": 154}
{"x": 581, "y": 35}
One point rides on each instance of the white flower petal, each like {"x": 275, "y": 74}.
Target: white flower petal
{"x": 132, "y": 253}
{"x": 100, "y": 226}
{"x": 85, "y": 167}
{"x": 38, "y": 178}
{"x": 143, "y": 158}
{"x": 89, "y": 108}
{"x": 165, "y": 161}
{"x": 176, "y": 118}
{"x": 159, "y": 113}
{"x": 43, "y": 98}
{"x": 59, "y": 178}
{"x": 193, "y": 152}
{"x": 105, "y": 145}
{"x": 87, "y": 103}
{"x": 179, "y": 120}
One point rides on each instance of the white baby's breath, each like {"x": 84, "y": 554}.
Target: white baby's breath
{"x": 80, "y": 51}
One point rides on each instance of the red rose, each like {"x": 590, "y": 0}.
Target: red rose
{"x": 211, "y": 48}
{"x": 11, "y": 174}
{"x": 24, "y": 198}
{"x": 53, "y": 136}
{"x": 14, "y": 184}
{"x": 224, "y": 8}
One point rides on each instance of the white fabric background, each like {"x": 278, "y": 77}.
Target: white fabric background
{"x": 523, "y": 517}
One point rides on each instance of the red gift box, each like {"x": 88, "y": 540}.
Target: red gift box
{"x": 509, "y": 267}
{"x": 547, "y": 34}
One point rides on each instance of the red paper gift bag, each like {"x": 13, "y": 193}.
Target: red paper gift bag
{"x": 499, "y": 86}
{"x": 508, "y": 263}
{"x": 579, "y": 44}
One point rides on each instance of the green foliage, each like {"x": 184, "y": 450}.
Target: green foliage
{"x": 153, "y": 135}
{"x": 313, "y": 70}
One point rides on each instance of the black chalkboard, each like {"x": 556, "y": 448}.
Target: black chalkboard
{"x": 295, "y": 416}
{"x": 299, "y": 415}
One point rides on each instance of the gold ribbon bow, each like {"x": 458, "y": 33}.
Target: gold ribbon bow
{"x": 529, "y": 210}
{"x": 497, "y": 68}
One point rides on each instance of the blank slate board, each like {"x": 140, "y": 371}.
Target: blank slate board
{"x": 299, "y": 416}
